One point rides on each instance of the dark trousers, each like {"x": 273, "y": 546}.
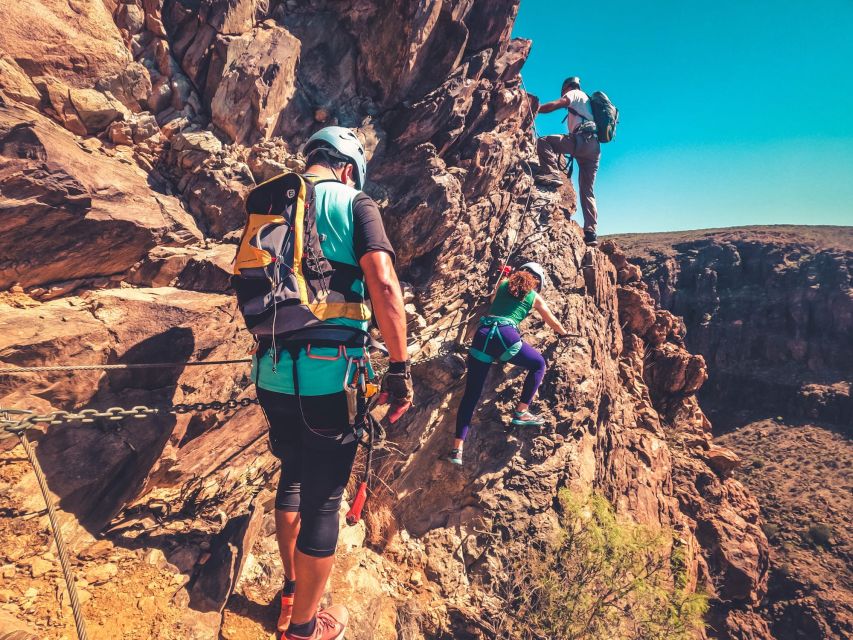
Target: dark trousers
{"x": 315, "y": 467}
{"x": 528, "y": 358}
{"x": 586, "y": 150}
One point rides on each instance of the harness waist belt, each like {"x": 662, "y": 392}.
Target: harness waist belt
{"x": 325, "y": 335}
{"x": 496, "y": 322}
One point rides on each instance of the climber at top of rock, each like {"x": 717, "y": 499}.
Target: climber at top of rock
{"x": 581, "y": 143}
{"x": 301, "y": 387}
{"x": 498, "y": 340}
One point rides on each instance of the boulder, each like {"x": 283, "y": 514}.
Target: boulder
{"x": 95, "y": 109}
{"x": 131, "y": 87}
{"x": 15, "y": 84}
{"x": 134, "y": 130}
{"x": 186, "y": 268}
{"x": 233, "y": 17}
{"x": 203, "y": 141}
{"x": 92, "y": 214}
{"x": 75, "y": 43}
{"x": 722, "y": 460}
{"x": 130, "y": 17}
{"x": 258, "y": 81}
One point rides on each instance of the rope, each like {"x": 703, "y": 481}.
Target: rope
{"x": 67, "y": 571}
{"x": 529, "y": 108}
{"x": 510, "y": 253}
{"x": 121, "y": 367}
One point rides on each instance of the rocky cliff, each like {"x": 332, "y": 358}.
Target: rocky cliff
{"x": 130, "y": 133}
{"x": 771, "y": 310}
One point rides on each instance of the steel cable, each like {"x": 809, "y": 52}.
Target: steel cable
{"x": 65, "y": 563}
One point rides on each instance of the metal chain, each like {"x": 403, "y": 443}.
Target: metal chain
{"x": 28, "y": 419}
{"x": 113, "y": 414}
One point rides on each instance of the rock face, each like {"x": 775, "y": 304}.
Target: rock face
{"x": 69, "y": 211}
{"x": 145, "y": 201}
{"x": 771, "y": 310}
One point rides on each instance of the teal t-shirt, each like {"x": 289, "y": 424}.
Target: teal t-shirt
{"x": 349, "y": 225}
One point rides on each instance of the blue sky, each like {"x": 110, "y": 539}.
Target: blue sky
{"x": 731, "y": 113}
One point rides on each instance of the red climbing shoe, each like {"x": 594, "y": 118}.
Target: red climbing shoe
{"x": 331, "y": 624}
{"x": 286, "y": 612}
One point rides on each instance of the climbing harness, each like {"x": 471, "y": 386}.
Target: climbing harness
{"x": 569, "y": 166}
{"x": 359, "y": 386}
{"x": 510, "y": 350}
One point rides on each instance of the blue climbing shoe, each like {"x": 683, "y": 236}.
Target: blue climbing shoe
{"x": 526, "y": 419}
{"x": 455, "y": 457}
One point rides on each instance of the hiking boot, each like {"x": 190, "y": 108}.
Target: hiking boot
{"x": 455, "y": 457}
{"x": 331, "y": 624}
{"x": 548, "y": 180}
{"x": 526, "y": 419}
{"x": 286, "y": 612}
{"x": 590, "y": 238}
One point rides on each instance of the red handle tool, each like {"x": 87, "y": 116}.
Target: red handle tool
{"x": 354, "y": 513}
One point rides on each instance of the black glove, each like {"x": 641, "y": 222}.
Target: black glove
{"x": 397, "y": 388}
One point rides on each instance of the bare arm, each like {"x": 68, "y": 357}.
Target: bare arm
{"x": 545, "y": 313}
{"x": 387, "y": 299}
{"x": 548, "y": 107}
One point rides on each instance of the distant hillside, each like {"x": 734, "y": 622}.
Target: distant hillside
{"x": 817, "y": 237}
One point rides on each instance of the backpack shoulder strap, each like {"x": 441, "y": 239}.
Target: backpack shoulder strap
{"x": 574, "y": 111}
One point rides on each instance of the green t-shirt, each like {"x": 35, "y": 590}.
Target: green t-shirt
{"x": 349, "y": 225}
{"x": 508, "y": 306}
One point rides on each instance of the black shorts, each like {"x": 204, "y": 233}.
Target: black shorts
{"x": 315, "y": 464}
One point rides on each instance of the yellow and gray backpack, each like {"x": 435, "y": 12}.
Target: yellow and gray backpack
{"x": 284, "y": 283}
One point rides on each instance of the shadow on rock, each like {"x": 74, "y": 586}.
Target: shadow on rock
{"x": 95, "y": 468}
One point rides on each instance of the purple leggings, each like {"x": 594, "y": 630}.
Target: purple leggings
{"x": 528, "y": 357}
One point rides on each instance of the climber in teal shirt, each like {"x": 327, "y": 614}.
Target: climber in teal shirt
{"x": 306, "y": 430}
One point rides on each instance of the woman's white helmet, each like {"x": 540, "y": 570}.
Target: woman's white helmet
{"x": 536, "y": 269}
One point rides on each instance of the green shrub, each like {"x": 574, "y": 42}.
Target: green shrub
{"x": 600, "y": 578}
{"x": 784, "y": 570}
{"x": 770, "y": 530}
{"x": 820, "y": 534}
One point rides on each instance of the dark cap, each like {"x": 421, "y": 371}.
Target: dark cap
{"x": 570, "y": 81}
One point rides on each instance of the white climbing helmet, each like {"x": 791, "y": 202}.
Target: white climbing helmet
{"x": 536, "y": 269}
{"x": 343, "y": 143}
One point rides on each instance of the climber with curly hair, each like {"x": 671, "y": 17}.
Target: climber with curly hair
{"x": 498, "y": 340}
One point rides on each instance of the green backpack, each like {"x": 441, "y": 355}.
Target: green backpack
{"x": 605, "y": 114}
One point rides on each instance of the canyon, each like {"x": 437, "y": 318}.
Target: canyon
{"x": 771, "y": 310}
{"x": 130, "y": 133}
